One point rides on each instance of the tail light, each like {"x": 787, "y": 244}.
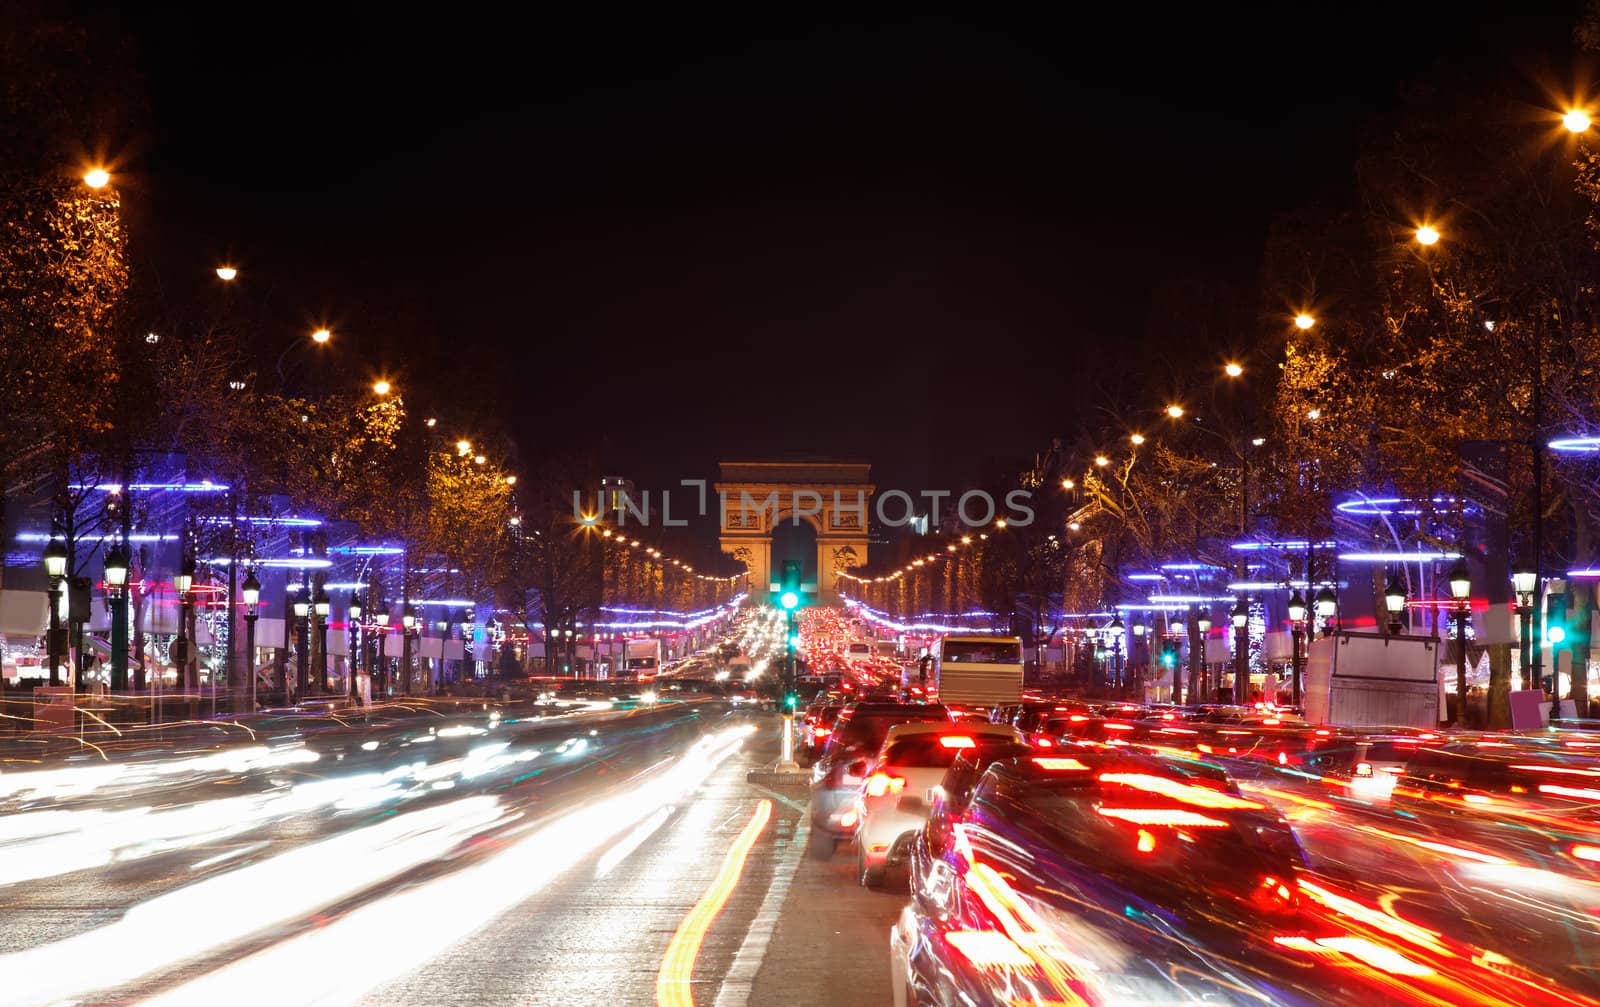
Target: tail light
{"x": 957, "y": 741}
{"x": 879, "y": 784}
{"x": 1364, "y": 769}
{"x": 988, "y": 949}
{"x": 1045, "y": 743}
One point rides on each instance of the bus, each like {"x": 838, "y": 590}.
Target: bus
{"x": 970, "y": 669}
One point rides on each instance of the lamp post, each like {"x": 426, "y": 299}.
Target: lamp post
{"x": 55, "y": 567}
{"x": 381, "y": 617}
{"x": 444, "y": 634}
{"x": 1461, "y": 591}
{"x": 183, "y": 581}
{"x": 469, "y": 628}
{"x": 302, "y": 641}
{"x": 1394, "y": 601}
{"x": 1241, "y": 647}
{"x": 1115, "y": 632}
{"x": 1297, "y": 623}
{"x": 251, "y": 591}
{"x": 319, "y": 610}
{"x": 352, "y": 642}
{"x": 408, "y": 621}
{"x": 1197, "y": 686}
{"x": 1523, "y": 580}
{"x": 117, "y": 582}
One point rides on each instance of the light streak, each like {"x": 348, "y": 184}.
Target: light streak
{"x": 340, "y": 962}
{"x": 677, "y": 965}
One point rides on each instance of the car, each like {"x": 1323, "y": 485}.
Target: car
{"x": 893, "y": 803}
{"x": 849, "y": 757}
{"x": 816, "y": 728}
{"x": 1094, "y": 875}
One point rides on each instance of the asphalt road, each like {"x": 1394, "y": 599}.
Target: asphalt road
{"x": 583, "y": 860}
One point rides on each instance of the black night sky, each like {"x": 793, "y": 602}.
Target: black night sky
{"x": 932, "y": 244}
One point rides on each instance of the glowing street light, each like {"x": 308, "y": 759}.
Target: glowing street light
{"x": 463, "y": 448}
{"x": 226, "y": 273}
{"x": 512, "y": 481}
{"x": 1102, "y": 460}
{"x": 1303, "y": 321}
{"x": 1137, "y": 439}
{"x": 1576, "y": 120}
{"x": 478, "y": 459}
{"x": 1233, "y": 370}
{"x": 380, "y": 387}
{"x": 1427, "y": 235}
{"x": 1067, "y": 484}
{"x": 99, "y": 178}
{"x": 321, "y": 336}
{"x": 1175, "y": 411}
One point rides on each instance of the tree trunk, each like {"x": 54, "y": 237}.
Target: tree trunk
{"x": 1499, "y": 698}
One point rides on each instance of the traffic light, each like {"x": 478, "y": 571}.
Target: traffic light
{"x": 790, "y": 702}
{"x": 1169, "y": 653}
{"x": 789, "y": 587}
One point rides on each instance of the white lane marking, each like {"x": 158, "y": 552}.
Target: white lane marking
{"x": 741, "y": 978}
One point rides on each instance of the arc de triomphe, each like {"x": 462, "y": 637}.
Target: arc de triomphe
{"x": 833, "y": 497}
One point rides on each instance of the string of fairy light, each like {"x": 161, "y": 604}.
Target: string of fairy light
{"x": 952, "y": 549}
{"x": 618, "y": 537}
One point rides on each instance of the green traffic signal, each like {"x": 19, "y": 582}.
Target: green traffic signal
{"x": 789, "y": 600}
{"x": 790, "y": 701}
{"x": 794, "y": 640}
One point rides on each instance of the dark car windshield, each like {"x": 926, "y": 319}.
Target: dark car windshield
{"x": 940, "y": 750}
{"x": 981, "y": 652}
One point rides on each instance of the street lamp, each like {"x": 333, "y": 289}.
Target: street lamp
{"x": 1114, "y": 631}
{"x": 1461, "y": 591}
{"x": 117, "y": 581}
{"x": 302, "y": 639}
{"x": 320, "y": 608}
{"x": 1241, "y": 646}
{"x": 408, "y": 621}
{"x": 1394, "y": 601}
{"x": 251, "y": 591}
{"x": 353, "y": 641}
{"x": 1303, "y": 321}
{"x": 183, "y": 582}
{"x": 55, "y": 567}
{"x": 1197, "y": 686}
{"x": 1525, "y": 580}
{"x": 469, "y": 629}
{"x": 1297, "y": 625}
{"x": 99, "y": 178}
{"x": 380, "y": 616}
{"x": 1576, "y": 120}
{"x": 1327, "y": 603}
